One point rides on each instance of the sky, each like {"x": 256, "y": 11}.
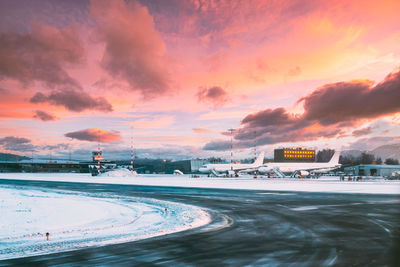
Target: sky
{"x": 171, "y": 77}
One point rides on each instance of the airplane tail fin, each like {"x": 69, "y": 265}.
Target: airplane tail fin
{"x": 260, "y": 159}
{"x": 335, "y": 158}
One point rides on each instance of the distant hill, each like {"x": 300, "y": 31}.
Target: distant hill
{"x": 351, "y": 153}
{"x": 387, "y": 151}
{"x": 11, "y": 157}
{"x": 383, "y": 152}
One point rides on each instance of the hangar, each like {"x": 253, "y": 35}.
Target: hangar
{"x": 372, "y": 170}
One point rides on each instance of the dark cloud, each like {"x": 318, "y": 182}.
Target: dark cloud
{"x": 214, "y": 95}
{"x": 353, "y": 101}
{"x": 218, "y": 145}
{"x": 40, "y": 55}
{"x": 22, "y": 144}
{"x": 61, "y": 146}
{"x": 271, "y": 117}
{"x": 44, "y": 116}
{"x": 134, "y": 50}
{"x": 329, "y": 111}
{"x": 13, "y": 140}
{"x": 244, "y": 137}
{"x": 73, "y": 100}
{"x": 16, "y": 144}
{"x": 363, "y": 131}
{"x": 277, "y": 125}
{"x": 95, "y": 135}
{"x": 373, "y": 142}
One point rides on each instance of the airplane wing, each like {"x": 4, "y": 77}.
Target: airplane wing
{"x": 247, "y": 170}
{"x": 322, "y": 169}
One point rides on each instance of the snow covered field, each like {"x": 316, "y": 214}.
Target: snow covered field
{"x": 76, "y": 220}
{"x": 328, "y": 184}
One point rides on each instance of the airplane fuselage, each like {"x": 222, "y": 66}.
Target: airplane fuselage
{"x": 287, "y": 167}
{"x": 225, "y": 167}
{"x": 236, "y": 167}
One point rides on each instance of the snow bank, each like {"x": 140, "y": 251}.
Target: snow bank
{"x": 117, "y": 173}
{"x": 75, "y": 220}
{"x": 333, "y": 184}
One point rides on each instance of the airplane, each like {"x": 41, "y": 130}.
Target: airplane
{"x": 234, "y": 168}
{"x": 302, "y": 168}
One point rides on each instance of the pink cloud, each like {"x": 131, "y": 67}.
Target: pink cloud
{"x": 41, "y": 55}
{"x": 134, "y": 50}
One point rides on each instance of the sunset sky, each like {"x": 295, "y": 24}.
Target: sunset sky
{"x": 175, "y": 75}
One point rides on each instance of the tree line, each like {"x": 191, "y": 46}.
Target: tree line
{"x": 365, "y": 158}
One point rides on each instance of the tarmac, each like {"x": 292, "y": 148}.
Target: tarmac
{"x": 250, "y": 228}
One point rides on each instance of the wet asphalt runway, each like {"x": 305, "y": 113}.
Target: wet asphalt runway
{"x": 261, "y": 228}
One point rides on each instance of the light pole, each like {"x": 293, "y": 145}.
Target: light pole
{"x": 255, "y": 152}
{"x": 131, "y": 149}
{"x": 231, "y": 131}
{"x": 98, "y": 155}
{"x": 255, "y": 146}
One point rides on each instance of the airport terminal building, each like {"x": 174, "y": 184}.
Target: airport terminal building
{"x": 294, "y": 155}
{"x": 38, "y": 165}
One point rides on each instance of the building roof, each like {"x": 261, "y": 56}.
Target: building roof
{"x": 381, "y": 166}
{"x": 41, "y": 161}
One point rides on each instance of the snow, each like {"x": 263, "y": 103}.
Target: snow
{"x": 327, "y": 184}
{"x": 76, "y": 220}
{"x": 118, "y": 173}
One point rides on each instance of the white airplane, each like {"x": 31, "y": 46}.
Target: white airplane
{"x": 234, "y": 168}
{"x": 303, "y": 168}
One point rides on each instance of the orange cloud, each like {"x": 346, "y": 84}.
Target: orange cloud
{"x": 201, "y": 130}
